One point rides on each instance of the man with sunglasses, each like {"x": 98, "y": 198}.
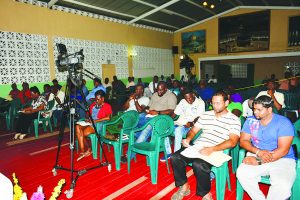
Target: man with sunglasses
{"x": 268, "y": 138}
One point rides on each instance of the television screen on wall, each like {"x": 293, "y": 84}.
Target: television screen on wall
{"x": 246, "y": 32}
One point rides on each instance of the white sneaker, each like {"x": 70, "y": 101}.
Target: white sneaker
{"x": 22, "y": 136}
{"x": 17, "y": 135}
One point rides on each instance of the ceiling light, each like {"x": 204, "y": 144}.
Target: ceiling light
{"x": 212, "y": 6}
{"x": 204, "y": 3}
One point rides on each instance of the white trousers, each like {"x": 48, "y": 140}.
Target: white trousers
{"x": 282, "y": 176}
{"x": 6, "y": 188}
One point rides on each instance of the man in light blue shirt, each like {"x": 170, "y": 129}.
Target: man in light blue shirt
{"x": 98, "y": 86}
{"x": 267, "y": 137}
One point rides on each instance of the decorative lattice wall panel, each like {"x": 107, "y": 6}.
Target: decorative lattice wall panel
{"x": 23, "y": 58}
{"x": 152, "y": 61}
{"x": 96, "y": 53}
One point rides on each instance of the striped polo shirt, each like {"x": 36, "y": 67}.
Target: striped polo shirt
{"x": 216, "y": 130}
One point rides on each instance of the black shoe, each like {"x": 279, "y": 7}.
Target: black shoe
{"x": 124, "y": 159}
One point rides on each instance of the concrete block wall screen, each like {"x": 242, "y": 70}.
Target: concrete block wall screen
{"x": 96, "y": 53}
{"x": 152, "y": 61}
{"x": 23, "y": 58}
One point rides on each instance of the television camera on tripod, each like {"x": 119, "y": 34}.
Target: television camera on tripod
{"x": 73, "y": 63}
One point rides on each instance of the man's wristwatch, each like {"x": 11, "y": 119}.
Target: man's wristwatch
{"x": 258, "y": 160}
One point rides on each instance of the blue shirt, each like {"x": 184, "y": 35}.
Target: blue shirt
{"x": 205, "y": 93}
{"x": 92, "y": 93}
{"x": 266, "y": 137}
{"x": 95, "y": 111}
{"x": 85, "y": 90}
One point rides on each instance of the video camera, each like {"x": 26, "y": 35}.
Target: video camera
{"x": 65, "y": 61}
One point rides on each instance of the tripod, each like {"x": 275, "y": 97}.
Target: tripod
{"x": 70, "y": 110}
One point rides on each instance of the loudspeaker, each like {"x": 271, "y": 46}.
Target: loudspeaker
{"x": 175, "y": 49}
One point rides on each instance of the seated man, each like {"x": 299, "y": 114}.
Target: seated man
{"x": 130, "y": 82}
{"x": 277, "y": 97}
{"x": 221, "y": 130}
{"x": 100, "y": 112}
{"x": 189, "y": 109}
{"x": 267, "y": 137}
{"x": 97, "y": 86}
{"x": 153, "y": 84}
{"x": 56, "y": 84}
{"x": 58, "y": 96}
{"x": 203, "y": 91}
{"x": 137, "y": 101}
{"x": 247, "y": 107}
{"x": 27, "y": 115}
{"x": 163, "y": 102}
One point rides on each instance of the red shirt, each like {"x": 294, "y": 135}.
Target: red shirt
{"x": 105, "y": 110}
{"x": 15, "y": 94}
{"x": 27, "y": 94}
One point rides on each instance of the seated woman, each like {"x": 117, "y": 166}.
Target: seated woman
{"x": 100, "y": 112}
{"x": 27, "y": 115}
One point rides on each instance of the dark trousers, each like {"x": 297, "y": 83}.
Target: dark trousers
{"x": 24, "y": 122}
{"x": 201, "y": 170}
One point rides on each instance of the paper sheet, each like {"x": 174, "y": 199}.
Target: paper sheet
{"x": 150, "y": 116}
{"x": 217, "y": 158}
{"x": 84, "y": 123}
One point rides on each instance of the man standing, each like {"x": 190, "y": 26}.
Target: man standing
{"x": 220, "y": 131}
{"x": 267, "y": 137}
{"x": 189, "y": 109}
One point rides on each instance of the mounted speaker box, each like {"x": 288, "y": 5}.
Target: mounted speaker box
{"x": 175, "y": 49}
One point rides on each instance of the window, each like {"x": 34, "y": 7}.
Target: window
{"x": 238, "y": 70}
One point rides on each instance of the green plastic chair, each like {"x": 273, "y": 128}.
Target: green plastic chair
{"x": 266, "y": 179}
{"x": 94, "y": 140}
{"x": 292, "y": 103}
{"x": 43, "y": 120}
{"x": 162, "y": 127}
{"x": 221, "y": 175}
{"x": 7, "y": 115}
{"x": 15, "y": 107}
{"x": 126, "y": 122}
{"x": 234, "y": 152}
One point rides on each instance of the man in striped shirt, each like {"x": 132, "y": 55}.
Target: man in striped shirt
{"x": 220, "y": 131}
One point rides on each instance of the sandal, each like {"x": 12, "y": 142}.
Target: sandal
{"x": 83, "y": 155}
{"x": 180, "y": 194}
{"x": 208, "y": 196}
{"x": 22, "y": 136}
{"x": 17, "y": 135}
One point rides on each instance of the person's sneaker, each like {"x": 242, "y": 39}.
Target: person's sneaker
{"x": 163, "y": 159}
{"x": 124, "y": 159}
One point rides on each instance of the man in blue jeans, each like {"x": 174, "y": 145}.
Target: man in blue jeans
{"x": 163, "y": 102}
{"x": 189, "y": 109}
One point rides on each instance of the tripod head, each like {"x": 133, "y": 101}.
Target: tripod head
{"x": 71, "y": 63}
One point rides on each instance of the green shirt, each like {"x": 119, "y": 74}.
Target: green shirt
{"x": 235, "y": 106}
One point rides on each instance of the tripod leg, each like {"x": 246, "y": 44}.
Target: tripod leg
{"x": 64, "y": 120}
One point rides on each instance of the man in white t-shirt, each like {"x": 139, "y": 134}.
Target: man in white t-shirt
{"x": 277, "y": 97}
{"x": 189, "y": 109}
{"x": 137, "y": 101}
{"x": 153, "y": 84}
{"x": 58, "y": 96}
{"x": 247, "y": 107}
